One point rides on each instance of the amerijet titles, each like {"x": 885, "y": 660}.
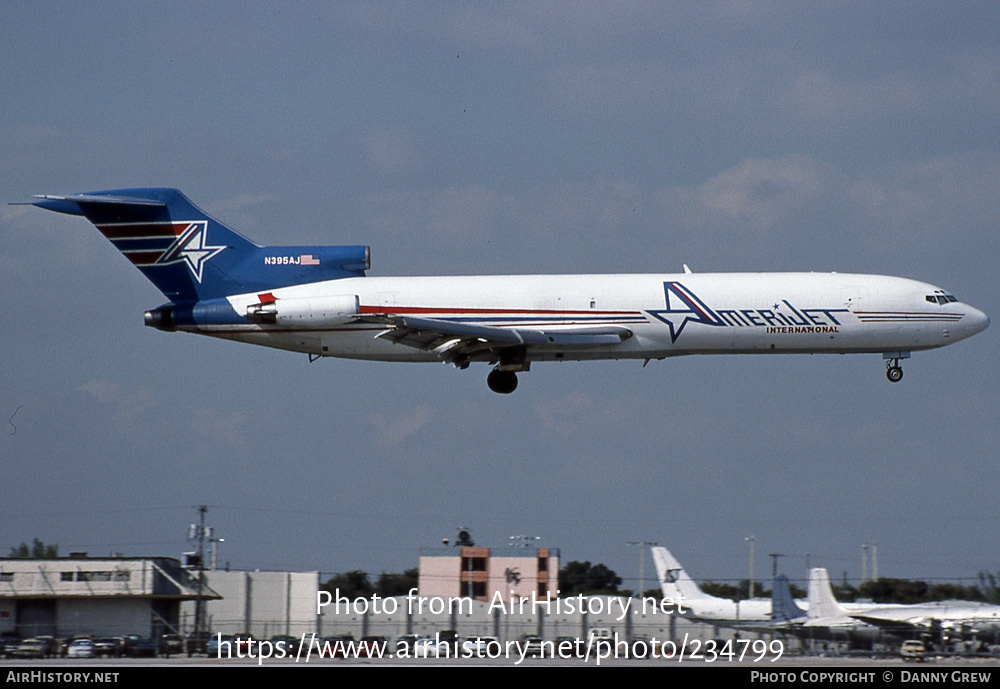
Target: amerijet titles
{"x": 684, "y": 306}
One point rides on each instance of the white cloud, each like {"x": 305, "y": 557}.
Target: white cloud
{"x": 756, "y": 194}
{"x": 126, "y": 406}
{"x": 228, "y": 427}
{"x": 391, "y": 431}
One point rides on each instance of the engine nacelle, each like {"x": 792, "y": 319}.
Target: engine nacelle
{"x": 161, "y": 318}
{"x": 307, "y": 312}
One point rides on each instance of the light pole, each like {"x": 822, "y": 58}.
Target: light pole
{"x": 752, "y": 540}
{"x": 642, "y": 564}
{"x": 215, "y": 550}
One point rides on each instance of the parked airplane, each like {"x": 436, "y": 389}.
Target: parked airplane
{"x": 317, "y": 300}
{"x": 827, "y": 619}
{"x": 865, "y": 622}
{"x": 755, "y": 613}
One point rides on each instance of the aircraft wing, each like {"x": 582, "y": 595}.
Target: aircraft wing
{"x": 458, "y": 343}
{"x": 886, "y": 623}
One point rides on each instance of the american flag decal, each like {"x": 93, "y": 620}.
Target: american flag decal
{"x": 308, "y": 260}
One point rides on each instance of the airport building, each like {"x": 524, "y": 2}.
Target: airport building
{"x": 479, "y": 573}
{"x": 262, "y": 604}
{"x": 111, "y": 596}
{"x": 463, "y": 589}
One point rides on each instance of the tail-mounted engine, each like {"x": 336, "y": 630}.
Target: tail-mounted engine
{"x": 309, "y": 312}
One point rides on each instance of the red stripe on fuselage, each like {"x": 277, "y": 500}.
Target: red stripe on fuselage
{"x": 477, "y": 311}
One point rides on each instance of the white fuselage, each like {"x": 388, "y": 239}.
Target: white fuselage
{"x": 667, "y": 314}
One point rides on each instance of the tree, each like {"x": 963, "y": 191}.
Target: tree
{"x": 353, "y": 584}
{"x": 390, "y": 584}
{"x": 580, "y": 577}
{"x": 989, "y": 587}
{"x": 37, "y": 549}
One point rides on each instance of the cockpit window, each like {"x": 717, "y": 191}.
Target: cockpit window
{"x": 940, "y": 297}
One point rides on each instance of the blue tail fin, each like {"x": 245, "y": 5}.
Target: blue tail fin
{"x": 190, "y": 256}
{"x": 783, "y": 607}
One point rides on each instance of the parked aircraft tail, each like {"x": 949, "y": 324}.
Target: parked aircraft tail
{"x": 192, "y": 257}
{"x": 674, "y": 581}
{"x": 821, "y": 600}
{"x": 783, "y": 607}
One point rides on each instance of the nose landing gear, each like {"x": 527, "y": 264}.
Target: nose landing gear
{"x": 894, "y": 372}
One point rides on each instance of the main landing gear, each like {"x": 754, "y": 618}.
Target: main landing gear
{"x": 503, "y": 378}
{"x": 504, "y": 382}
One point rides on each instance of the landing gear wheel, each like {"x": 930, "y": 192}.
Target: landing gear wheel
{"x": 894, "y": 374}
{"x": 503, "y": 382}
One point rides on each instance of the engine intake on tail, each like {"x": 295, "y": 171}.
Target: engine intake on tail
{"x": 161, "y": 318}
{"x": 316, "y": 312}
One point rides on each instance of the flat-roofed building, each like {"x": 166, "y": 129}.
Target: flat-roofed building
{"x": 482, "y": 574}
{"x": 111, "y": 596}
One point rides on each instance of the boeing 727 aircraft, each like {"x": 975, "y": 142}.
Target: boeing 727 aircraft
{"x": 317, "y": 300}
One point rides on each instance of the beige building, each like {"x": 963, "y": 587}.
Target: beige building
{"x": 478, "y": 573}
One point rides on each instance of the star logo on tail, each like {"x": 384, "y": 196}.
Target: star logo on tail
{"x": 191, "y": 248}
{"x": 683, "y": 307}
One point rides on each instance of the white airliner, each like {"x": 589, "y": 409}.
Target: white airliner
{"x": 676, "y": 584}
{"x": 317, "y": 300}
{"x": 828, "y": 618}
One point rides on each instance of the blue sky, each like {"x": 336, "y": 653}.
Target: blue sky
{"x": 472, "y": 138}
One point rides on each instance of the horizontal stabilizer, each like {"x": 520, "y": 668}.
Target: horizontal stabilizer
{"x": 72, "y": 204}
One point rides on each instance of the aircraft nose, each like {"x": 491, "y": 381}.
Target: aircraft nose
{"x": 975, "y": 320}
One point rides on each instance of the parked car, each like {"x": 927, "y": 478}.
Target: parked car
{"x": 913, "y": 650}
{"x": 171, "y": 644}
{"x": 336, "y": 646}
{"x": 241, "y": 644}
{"x": 406, "y": 640}
{"x": 531, "y": 644}
{"x": 290, "y": 644}
{"x": 31, "y": 648}
{"x": 482, "y": 646}
{"x": 140, "y": 646}
{"x": 212, "y": 647}
{"x": 426, "y": 647}
{"x": 63, "y": 646}
{"x": 110, "y": 646}
{"x": 570, "y": 647}
{"x": 373, "y": 646}
{"x": 8, "y": 642}
{"x": 81, "y": 648}
{"x": 197, "y": 642}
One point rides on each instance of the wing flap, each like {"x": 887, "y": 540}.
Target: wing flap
{"x": 458, "y": 342}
